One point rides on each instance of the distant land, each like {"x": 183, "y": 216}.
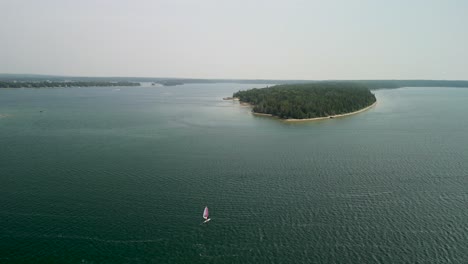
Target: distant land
{"x": 52, "y": 84}
{"x": 371, "y": 84}
{"x": 310, "y": 101}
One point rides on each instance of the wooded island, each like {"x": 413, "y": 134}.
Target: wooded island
{"x": 311, "y": 100}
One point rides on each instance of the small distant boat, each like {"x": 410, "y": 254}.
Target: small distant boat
{"x": 206, "y": 215}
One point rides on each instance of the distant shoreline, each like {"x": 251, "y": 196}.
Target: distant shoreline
{"x": 63, "y": 84}
{"x": 371, "y": 84}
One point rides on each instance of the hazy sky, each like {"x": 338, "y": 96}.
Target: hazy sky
{"x": 348, "y": 39}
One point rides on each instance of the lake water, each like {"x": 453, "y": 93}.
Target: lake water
{"x": 121, "y": 175}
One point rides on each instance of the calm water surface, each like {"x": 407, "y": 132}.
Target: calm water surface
{"x": 106, "y": 175}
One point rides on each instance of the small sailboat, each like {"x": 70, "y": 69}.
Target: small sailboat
{"x": 206, "y": 215}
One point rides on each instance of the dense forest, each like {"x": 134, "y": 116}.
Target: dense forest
{"x": 42, "y": 84}
{"x": 310, "y": 100}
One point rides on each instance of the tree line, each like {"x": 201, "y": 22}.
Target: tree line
{"x": 309, "y": 100}
{"x": 42, "y": 84}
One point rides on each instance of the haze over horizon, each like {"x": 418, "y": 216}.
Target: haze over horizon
{"x": 236, "y": 39}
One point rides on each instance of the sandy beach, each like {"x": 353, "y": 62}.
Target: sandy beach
{"x": 262, "y": 114}
{"x": 231, "y": 99}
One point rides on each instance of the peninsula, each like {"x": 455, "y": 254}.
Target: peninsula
{"x": 311, "y": 101}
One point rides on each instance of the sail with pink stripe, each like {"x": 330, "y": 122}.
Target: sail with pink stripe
{"x": 205, "y": 213}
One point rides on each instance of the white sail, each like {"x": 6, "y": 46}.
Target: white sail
{"x": 206, "y": 213}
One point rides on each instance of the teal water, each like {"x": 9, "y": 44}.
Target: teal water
{"x": 107, "y": 175}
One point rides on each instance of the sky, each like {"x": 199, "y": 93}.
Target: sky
{"x": 248, "y": 39}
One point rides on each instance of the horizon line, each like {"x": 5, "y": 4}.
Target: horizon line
{"x": 197, "y": 78}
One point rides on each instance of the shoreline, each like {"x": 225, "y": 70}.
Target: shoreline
{"x": 231, "y": 99}
{"x": 301, "y": 120}
{"x": 262, "y": 114}
{"x": 332, "y": 116}
{"x": 315, "y": 118}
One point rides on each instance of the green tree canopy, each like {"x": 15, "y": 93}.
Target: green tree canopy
{"x": 309, "y": 100}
